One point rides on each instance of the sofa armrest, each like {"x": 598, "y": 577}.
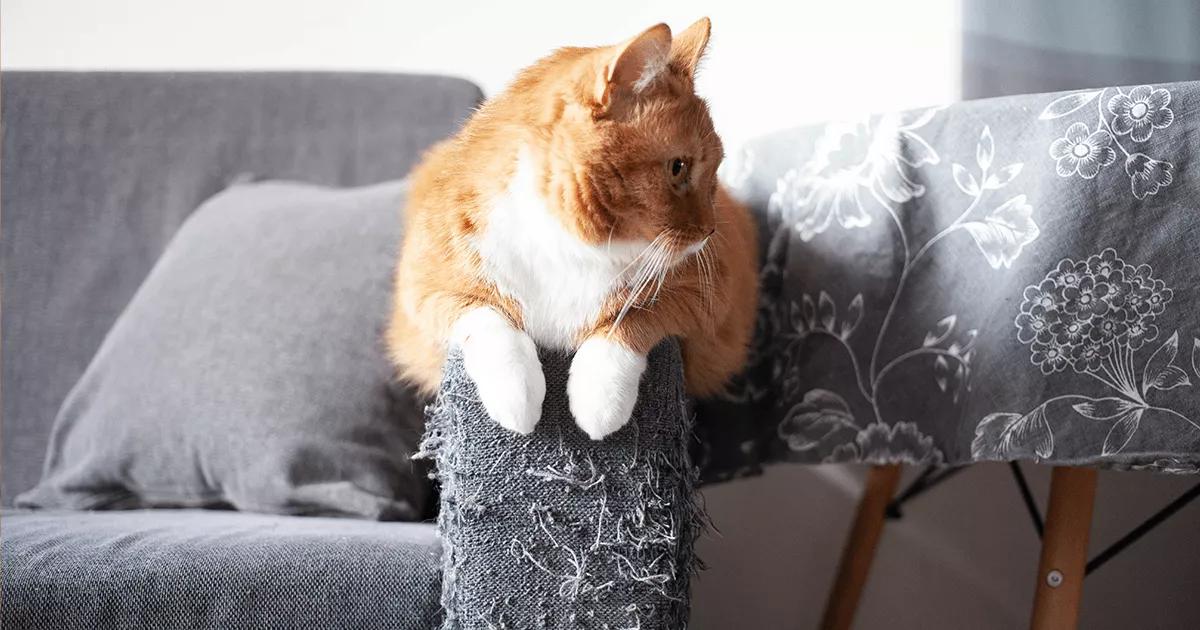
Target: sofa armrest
{"x": 540, "y": 531}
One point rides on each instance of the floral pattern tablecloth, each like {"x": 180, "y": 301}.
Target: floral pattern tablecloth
{"x": 1015, "y": 278}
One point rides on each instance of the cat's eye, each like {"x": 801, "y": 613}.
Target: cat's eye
{"x": 677, "y": 169}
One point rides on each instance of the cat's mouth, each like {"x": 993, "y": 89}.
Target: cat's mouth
{"x": 694, "y": 248}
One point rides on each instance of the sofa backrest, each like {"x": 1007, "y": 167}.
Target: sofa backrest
{"x": 99, "y": 169}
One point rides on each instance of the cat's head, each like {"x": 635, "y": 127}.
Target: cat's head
{"x": 631, "y": 151}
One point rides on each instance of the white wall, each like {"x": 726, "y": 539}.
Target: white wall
{"x": 771, "y": 63}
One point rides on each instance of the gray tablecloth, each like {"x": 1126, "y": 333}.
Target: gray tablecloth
{"x": 1005, "y": 279}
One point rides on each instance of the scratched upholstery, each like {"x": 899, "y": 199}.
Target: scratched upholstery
{"x": 555, "y": 530}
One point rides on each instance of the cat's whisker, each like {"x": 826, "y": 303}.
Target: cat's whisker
{"x": 645, "y": 271}
{"x": 663, "y": 268}
{"x": 720, "y": 236}
{"x": 629, "y": 301}
{"x": 652, "y": 265}
{"x": 703, "y": 264}
{"x": 657, "y": 255}
{"x": 636, "y": 284}
{"x": 711, "y": 276}
{"x": 636, "y": 260}
{"x": 648, "y": 248}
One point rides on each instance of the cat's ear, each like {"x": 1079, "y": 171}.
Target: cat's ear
{"x": 688, "y": 47}
{"x": 632, "y": 66}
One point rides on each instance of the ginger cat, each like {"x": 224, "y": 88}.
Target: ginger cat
{"x": 578, "y": 210}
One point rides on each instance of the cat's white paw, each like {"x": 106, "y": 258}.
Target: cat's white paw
{"x": 504, "y": 364}
{"x": 603, "y": 385}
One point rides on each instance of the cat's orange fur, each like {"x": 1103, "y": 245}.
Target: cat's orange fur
{"x": 601, "y": 129}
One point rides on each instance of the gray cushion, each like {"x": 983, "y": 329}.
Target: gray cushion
{"x": 210, "y": 569}
{"x": 101, "y": 168}
{"x": 249, "y": 369}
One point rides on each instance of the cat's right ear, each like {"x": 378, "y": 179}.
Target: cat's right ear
{"x": 633, "y": 66}
{"x": 688, "y": 47}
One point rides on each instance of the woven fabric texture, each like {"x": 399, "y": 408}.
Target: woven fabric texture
{"x": 248, "y": 371}
{"x": 102, "y": 168}
{"x": 554, "y": 530}
{"x": 199, "y": 569}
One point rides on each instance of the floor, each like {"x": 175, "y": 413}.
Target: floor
{"x": 964, "y": 555}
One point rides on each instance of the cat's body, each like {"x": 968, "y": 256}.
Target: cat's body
{"x": 578, "y": 210}
{"x": 560, "y": 281}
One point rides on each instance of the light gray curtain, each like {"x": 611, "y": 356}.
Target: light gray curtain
{"x": 1024, "y": 46}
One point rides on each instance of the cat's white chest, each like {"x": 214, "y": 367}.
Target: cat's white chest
{"x": 560, "y": 282}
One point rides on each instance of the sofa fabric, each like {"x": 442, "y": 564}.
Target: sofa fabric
{"x": 555, "y": 530}
{"x": 249, "y": 369}
{"x": 199, "y": 569}
{"x": 101, "y": 169}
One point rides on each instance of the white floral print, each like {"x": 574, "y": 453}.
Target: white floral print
{"x": 811, "y": 202}
{"x": 1082, "y": 151}
{"x": 888, "y": 278}
{"x": 1004, "y": 232}
{"x": 1147, "y": 175}
{"x": 1091, "y": 315}
{"x": 823, "y": 419}
{"x": 1140, "y": 112}
{"x": 900, "y": 443}
{"x": 817, "y": 195}
{"x": 1083, "y": 310}
{"x": 816, "y": 419}
{"x": 852, "y": 161}
{"x": 1134, "y": 116}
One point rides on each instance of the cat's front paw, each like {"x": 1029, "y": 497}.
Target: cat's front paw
{"x": 504, "y": 364}
{"x": 603, "y": 385}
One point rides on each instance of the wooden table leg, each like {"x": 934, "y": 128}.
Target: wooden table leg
{"x": 1064, "y": 549}
{"x": 860, "y": 547}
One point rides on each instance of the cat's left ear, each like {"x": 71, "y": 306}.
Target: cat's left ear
{"x": 688, "y": 47}
{"x": 634, "y": 65}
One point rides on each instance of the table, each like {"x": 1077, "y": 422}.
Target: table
{"x": 998, "y": 280}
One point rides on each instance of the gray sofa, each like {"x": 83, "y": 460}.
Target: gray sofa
{"x": 99, "y": 170}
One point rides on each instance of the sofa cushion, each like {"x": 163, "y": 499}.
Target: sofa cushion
{"x": 249, "y": 369}
{"x": 215, "y": 569}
